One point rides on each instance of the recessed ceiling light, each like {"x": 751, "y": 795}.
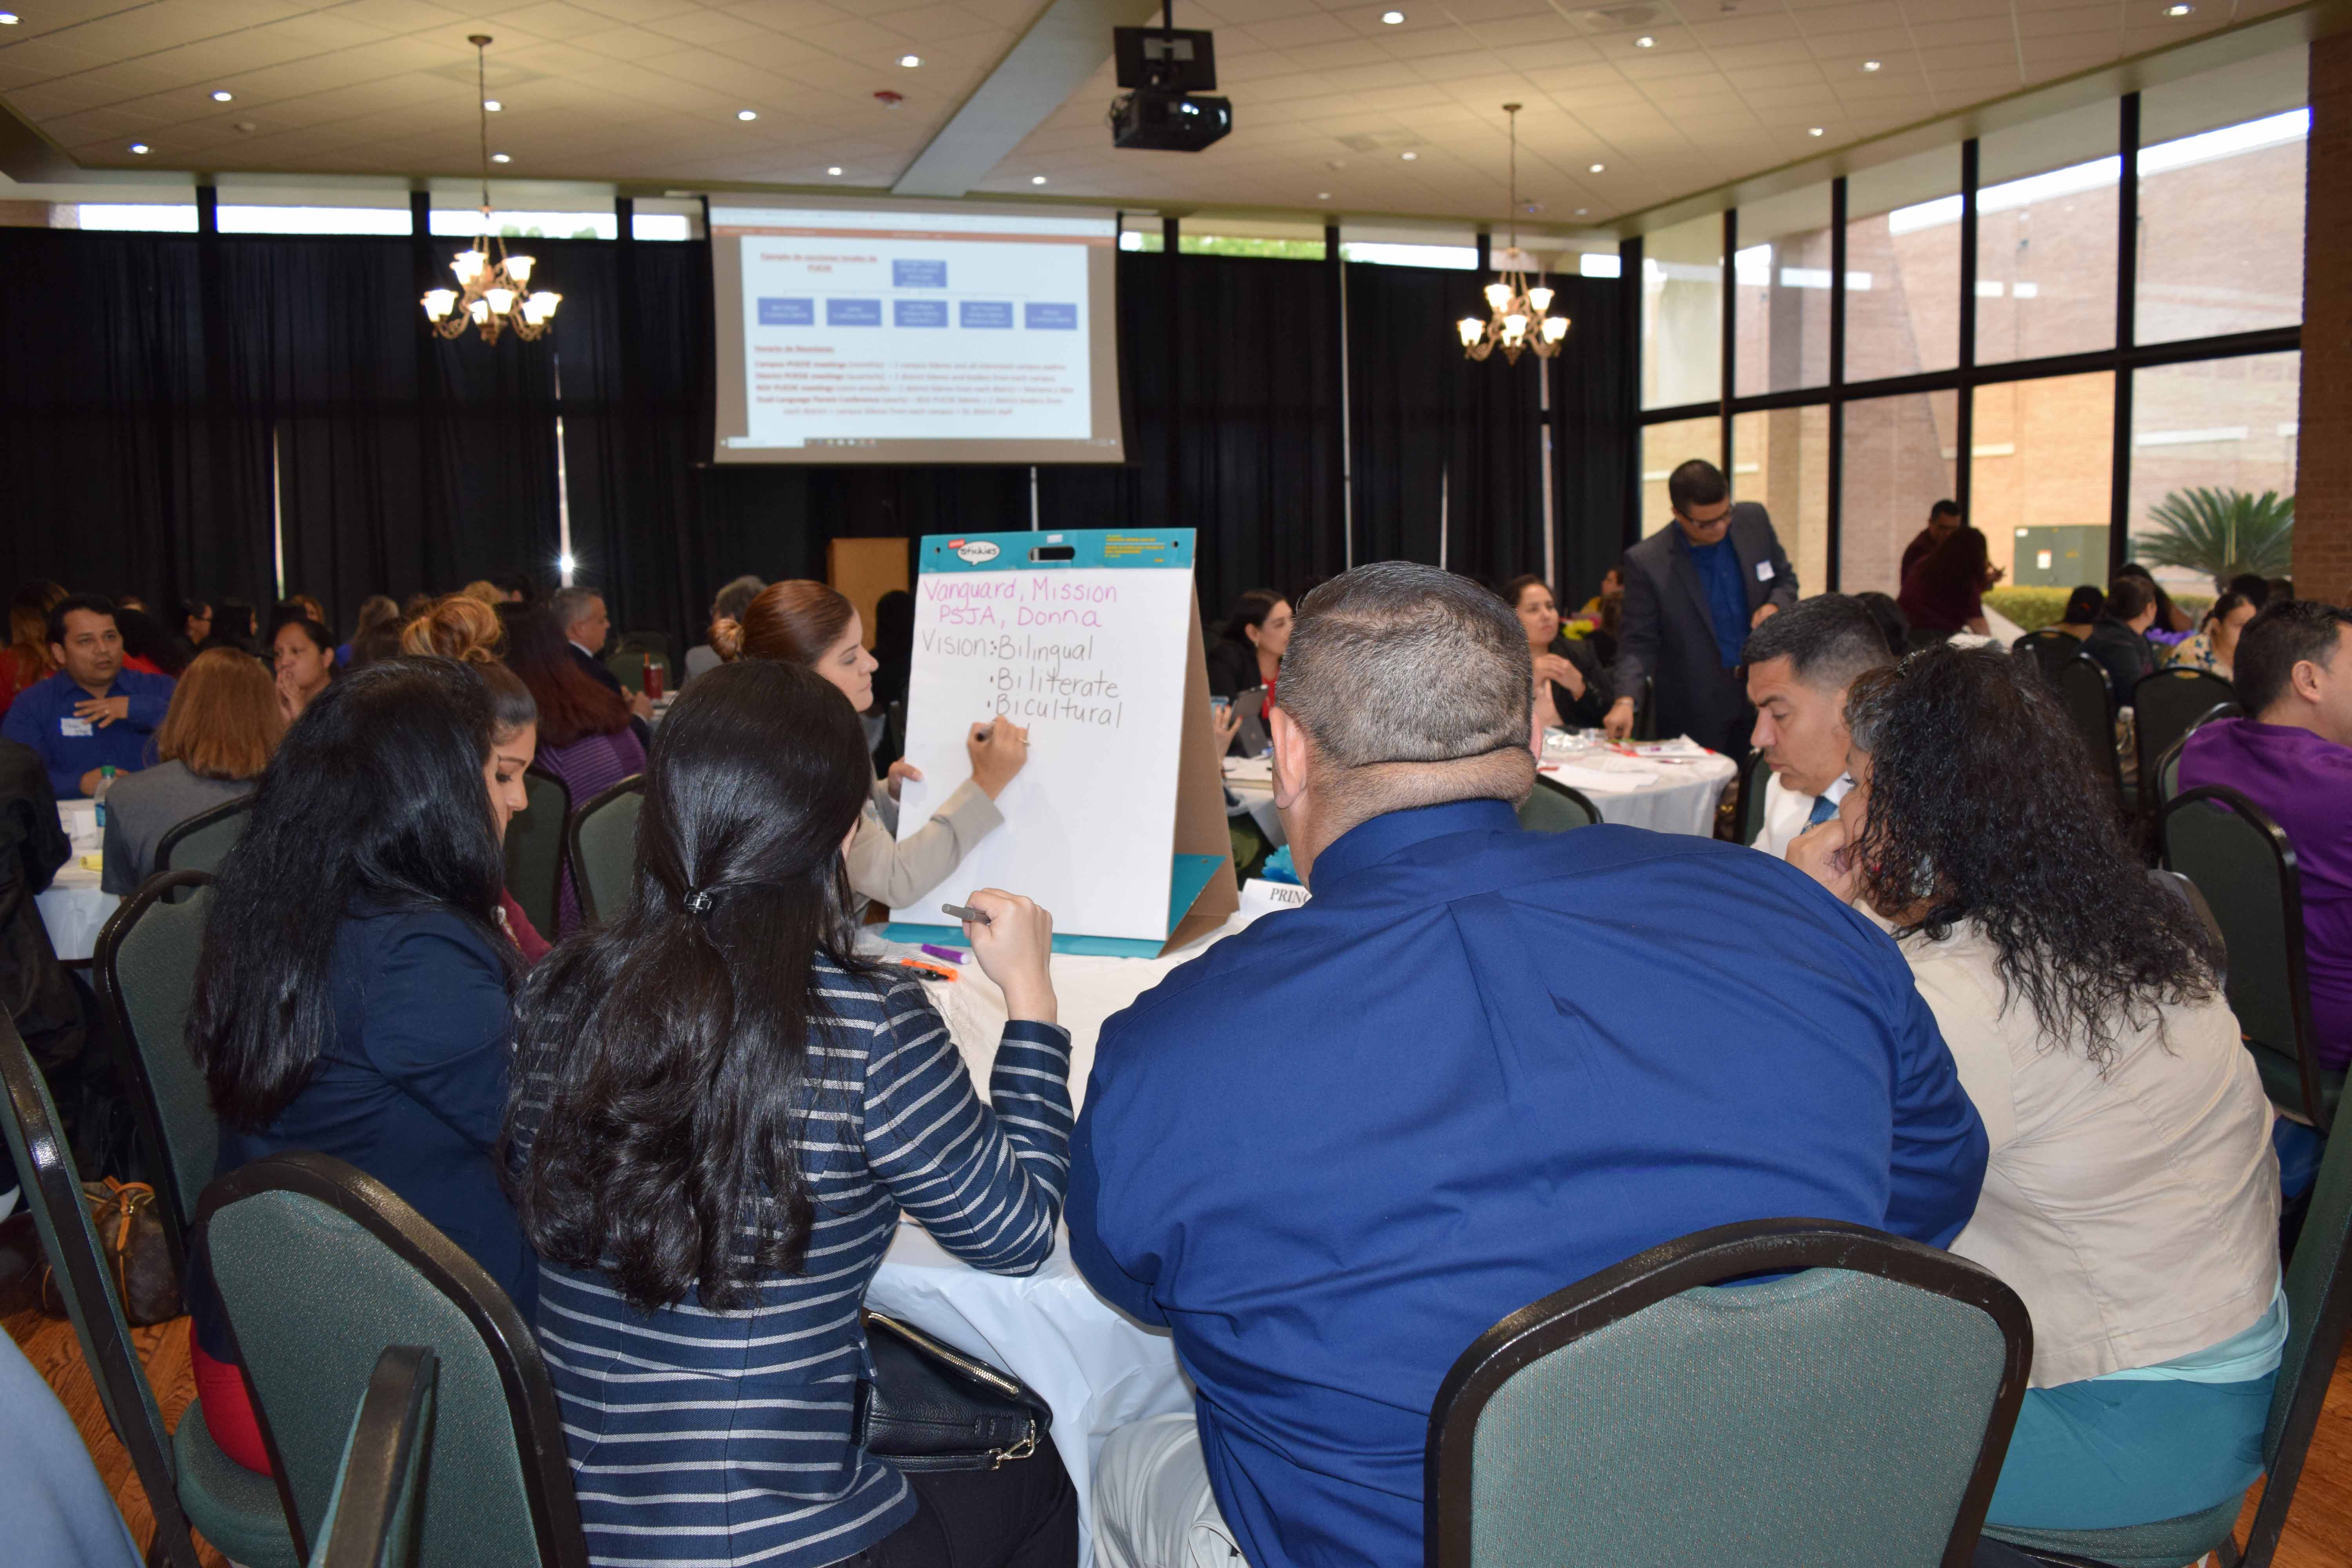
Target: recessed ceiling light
{"x": 747, "y": 114}
{"x": 501, "y": 158}
{"x": 2168, "y": 10}
{"x": 1816, "y": 131}
{"x": 1581, "y": 211}
{"x": 1598, "y": 167}
{"x": 1036, "y": 179}
{"x": 910, "y": 61}
{"x": 139, "y": 147}
{"x": 492, "y": 104}
{"x": 8, "y": 18}
{"x": 222, "y": 95}
{"x": 834, "y": 170}
{"x": 1408, "y": 157}
{"x": 1869, "y": 64}
{"x": 1391, "y": 18}
{"x": 1645, "y": 42}
{"x": 1322, "y": 196}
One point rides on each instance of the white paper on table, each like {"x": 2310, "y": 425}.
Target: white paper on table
{"x": 1598, "y": 781}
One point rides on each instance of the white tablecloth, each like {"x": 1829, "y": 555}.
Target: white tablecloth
{"x": 1673, "y": 793}
{"x": 1675, "y": 796}
{"x": 1098, "y": 1368}
{"x": 73, "y": 906}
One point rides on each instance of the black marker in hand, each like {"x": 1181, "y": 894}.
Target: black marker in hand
{"x": 966, "y": 912}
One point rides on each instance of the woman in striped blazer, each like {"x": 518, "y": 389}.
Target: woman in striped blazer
{"x": 721, "y": 1113}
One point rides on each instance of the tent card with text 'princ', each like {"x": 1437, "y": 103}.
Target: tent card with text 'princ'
{"x": 1090, "y": 640}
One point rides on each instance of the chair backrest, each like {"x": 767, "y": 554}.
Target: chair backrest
{"x": 1853, "y": 1414}
{"x": 535, "y": 839}
{"x": 1753, "y": 780}
{"x": 320, "y": 1265}
{"x": 630, "y": 663}
{"x": 52, "y": 1189}
{"x": 371, "y": 1520}
{"x": 2169, "y": 703}
{"x": 654, "y": 642}
{"x": 605, "y": 846}
{"x": 2241, "y": 860}
{"x": 2318, "y": 1301}
{"x": 146, "y": 965}
{"x": 1553, "y": 807}
{"x": 2050, "y": 649}
{"x": 2083, "y": 688}
{"x": 203, "y": 841}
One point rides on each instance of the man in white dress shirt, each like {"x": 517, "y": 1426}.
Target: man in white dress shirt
{"x": 1799, "y": 665}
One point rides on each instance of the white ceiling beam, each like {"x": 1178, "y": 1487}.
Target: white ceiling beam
{"x": 1062, "y": 47}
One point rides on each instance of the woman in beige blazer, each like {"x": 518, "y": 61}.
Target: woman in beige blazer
{"x": 809, "y": 624}
{"x": 2132, "y": 1195}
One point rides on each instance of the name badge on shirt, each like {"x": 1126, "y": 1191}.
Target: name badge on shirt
{"x": 72, "y": 728}
{"x": 1763, "y": 571}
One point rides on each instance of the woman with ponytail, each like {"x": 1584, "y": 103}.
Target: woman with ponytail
{"x": 811, "y": 625}
{"x": 719, "y": 1113}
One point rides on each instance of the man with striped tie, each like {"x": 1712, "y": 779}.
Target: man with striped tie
{"x": 1799, "y": 665}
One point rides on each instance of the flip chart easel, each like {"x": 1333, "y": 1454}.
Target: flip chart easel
{"x": 1091, "y": 640}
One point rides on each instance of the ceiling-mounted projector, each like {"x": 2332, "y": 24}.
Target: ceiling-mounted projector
{"x": 1166, "y": 70}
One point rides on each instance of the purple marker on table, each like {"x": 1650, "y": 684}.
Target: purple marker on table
{"x": 952, "y": 955}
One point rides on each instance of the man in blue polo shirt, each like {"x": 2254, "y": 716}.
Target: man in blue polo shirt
{"x": 92, "y": 713}
{"x": 1506, "y": 1060}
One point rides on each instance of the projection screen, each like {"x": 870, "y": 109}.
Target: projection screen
{"x": 915, "y": 335}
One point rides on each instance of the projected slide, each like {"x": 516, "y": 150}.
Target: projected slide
{"x": 915, "y": 335}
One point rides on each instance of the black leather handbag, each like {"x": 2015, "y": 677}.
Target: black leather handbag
{"x": 931, "y": 1408}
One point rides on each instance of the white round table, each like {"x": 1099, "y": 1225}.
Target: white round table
{"x": 1672, "y": 786}
{"x": 73, "y": 906}
{"x": 1674, "y": 789}
{"x": 1096, "y": 1367}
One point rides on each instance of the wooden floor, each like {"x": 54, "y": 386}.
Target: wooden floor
{"x": 2318, "y": 1532}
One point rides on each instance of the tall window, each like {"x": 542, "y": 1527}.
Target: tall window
{"x": 1682, "y": 314}
{"x": 1781, "y": 290}
{"x": 1903, "y": 268}
{"x": 2103, "y": 391}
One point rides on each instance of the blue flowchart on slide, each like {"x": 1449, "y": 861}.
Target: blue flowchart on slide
{"x": 970, "y": 315}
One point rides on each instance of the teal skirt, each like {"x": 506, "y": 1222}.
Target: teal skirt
{"x": 2112, "y": 1452}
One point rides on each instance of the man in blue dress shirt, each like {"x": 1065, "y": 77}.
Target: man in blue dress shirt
{"x": 93, "y": 712}
{"x": 1479, "y": 1066}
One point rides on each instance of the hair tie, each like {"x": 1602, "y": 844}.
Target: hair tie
{"x": 697, "y": 901}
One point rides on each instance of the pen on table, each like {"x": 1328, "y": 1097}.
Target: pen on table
{"x": 966, "y": 912}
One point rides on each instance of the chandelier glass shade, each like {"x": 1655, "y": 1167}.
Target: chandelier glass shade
{"x": 1519, "y": 313}
{"x": 493, "y": 293}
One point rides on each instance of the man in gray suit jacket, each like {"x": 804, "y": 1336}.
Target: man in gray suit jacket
{"x": 1693, "y": 592}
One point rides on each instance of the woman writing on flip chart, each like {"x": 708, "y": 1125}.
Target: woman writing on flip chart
{"x": 810, "y": 625}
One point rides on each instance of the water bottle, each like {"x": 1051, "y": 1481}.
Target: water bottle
{"x": 98, "y": 796}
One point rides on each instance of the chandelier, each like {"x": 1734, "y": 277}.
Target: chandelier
{"x": 493, "y": 293}
{"x": 1520, "y": 315}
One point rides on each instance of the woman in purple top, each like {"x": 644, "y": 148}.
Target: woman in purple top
{"x": 585, "y": 735}
{"x": 2293, "y": 759}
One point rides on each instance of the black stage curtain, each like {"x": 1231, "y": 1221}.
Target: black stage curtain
{"x": 1593, "y": 426}
{"x": 124, "y": 464}
{"x": 149, "y": 378}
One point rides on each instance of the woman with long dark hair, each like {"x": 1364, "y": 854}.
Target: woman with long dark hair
{"x": 585, "y": 735}
{"x": 352, "y": 991}
{"x": 1248, "y": 653}
{"x": 720, "y": 1112}
{"x": 2132, "y": 1195}
{"x": 1571, "y": 689}
{"x": 811, "y": 625}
